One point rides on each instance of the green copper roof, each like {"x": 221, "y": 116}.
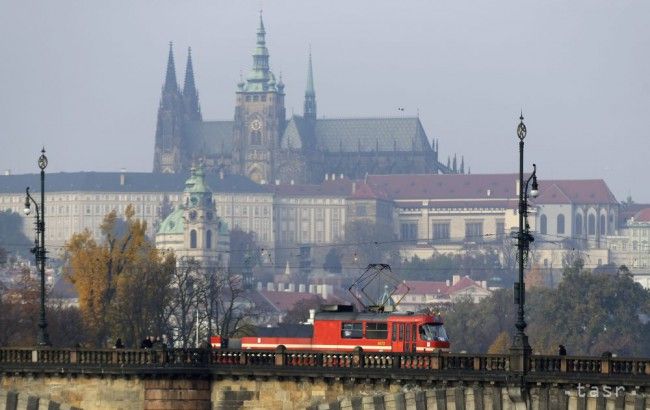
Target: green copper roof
{"x": 196, "y": 182}
{"x": 260, "y": 78}
{"x": 173, "y": 224}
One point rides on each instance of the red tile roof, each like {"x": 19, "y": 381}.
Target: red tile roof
{"x": 575, "y": 191}
{"x": 642, "y": 216}
{"x": 361, "y": 190}
{"x": 449, "y": 187}
{"x": 421, "y": 287}
{"x": 285, "y": 301}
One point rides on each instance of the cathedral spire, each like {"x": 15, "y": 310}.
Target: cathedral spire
{"x": 190, "y": 94}
{"x": 310, "y": 93}
{"x": 170, "y": 77}
{"x": 260, "y": 78}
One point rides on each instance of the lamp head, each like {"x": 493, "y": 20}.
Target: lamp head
{"x": 27, "y": 209}
{"x": 521, "y": 128}
{"x": 534, "y": 192}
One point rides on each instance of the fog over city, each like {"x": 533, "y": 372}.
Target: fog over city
{"x": 83, "y": 78}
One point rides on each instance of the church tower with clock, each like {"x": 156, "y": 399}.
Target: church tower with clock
{"x": 259, "y": 117}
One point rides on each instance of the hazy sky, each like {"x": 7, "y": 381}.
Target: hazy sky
{"x": 83, "y": 77}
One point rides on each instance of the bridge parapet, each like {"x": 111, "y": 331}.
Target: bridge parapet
{"x": 265, "y": 379}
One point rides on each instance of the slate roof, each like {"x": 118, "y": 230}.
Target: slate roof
{"x": 210, "y": 137}
{"x": 358, "y": 134}
{"x": 339, "y": 187}
{"x": 111, "y": 182}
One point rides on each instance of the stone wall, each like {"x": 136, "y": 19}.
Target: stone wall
{"x": 54, "y": 392}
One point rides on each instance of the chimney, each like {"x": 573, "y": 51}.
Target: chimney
{"x": 270, "y": 286}
{"x": 277, "y": 182}
{"x": 7, "y": 172}
{"x": 291, "y": 287}
{"x": 259, "y": 286}
{"x": 327, "y": 177}
{"x": 333, "y": 177}
{"x": 301, "y": 288}
{"x": 484, "y": 284}
{"x": 312, "y": 316}
{"x": 447, "y": 283}
{"x": 354, "y": 187}
{"x": 325, "y": 291}
{"x": 122, "y": 177}
{"x": 455, "y": 279}
{"x": 341, "y": 176}
{"x": 291, "y": 182}
{"x": 263, "y": 182}
{"x": 221, "y": 174}
{"x": 312, "y": 288}
{"x": 489, "y": 192}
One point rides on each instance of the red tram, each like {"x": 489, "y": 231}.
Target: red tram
{"x": 339, "y": 328}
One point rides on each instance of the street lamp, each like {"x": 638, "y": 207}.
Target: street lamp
{"x": 520, "y": 346}
{"x": 39, "y": 247}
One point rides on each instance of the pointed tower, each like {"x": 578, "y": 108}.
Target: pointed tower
{"x": 310, "y": 94}
{"x": 259, "y": 117}
{"x": 168, "y": 145}
{"x": 190, "y": 94}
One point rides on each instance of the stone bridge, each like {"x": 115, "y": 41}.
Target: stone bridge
{"x": 231, "y": 379}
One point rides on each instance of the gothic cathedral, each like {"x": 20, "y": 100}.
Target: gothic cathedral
{"x": 266, "y": 146}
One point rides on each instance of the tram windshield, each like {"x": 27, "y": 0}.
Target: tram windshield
{"x": 433, "y": 332}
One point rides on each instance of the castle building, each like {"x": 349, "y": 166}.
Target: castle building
{"x": 264, "y": 145}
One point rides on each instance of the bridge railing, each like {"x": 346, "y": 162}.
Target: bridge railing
{"x": 153, "y": 358}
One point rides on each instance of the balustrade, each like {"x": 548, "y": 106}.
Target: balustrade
{"x": 202, "y": 358}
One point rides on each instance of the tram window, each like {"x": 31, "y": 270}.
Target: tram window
{"x": 401, "y": 331}
{"x": 376, "y": 330}
{"x": 414, "y": 332}
{"x": 352, "y": 330}
{"x": 394, "y": 332}
{"x": 408, "y": 333}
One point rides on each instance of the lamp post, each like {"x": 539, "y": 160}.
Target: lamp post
{"x": 38, "y": 250}
{"x": 520, "y": 347}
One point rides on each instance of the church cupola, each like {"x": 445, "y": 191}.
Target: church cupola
{"x": 310, "y": 93}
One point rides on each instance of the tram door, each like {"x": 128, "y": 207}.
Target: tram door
{"x": 410, "y": 334}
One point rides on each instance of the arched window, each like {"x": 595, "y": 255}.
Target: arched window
{"x": 208, "y": 240}
{"x": 256, "y": 138}
{"x": 560, "y": 223}
{"x": 578, "y": 224}
{"x": 542, "y": 224}
{"x": 193, "y": 239}
{"x": 591, "y": 225}
{"x": 603, "y": 225}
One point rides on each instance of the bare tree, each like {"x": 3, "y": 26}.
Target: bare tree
{"x": 184, "y": 301}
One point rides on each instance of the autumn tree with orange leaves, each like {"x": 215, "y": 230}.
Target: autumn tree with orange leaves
{"x": 122, "y": 281}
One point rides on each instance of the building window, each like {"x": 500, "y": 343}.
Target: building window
{"x": 409, "y": 231}
{"x": 208, "y": 239}
{"x": 193, "y": 239}
{"x": 256, "y": 138}
{"x": 361, "y": 210}
{"x": 560, "y": 223}
{"x": 441, "y": 231}
{"x": 501, "y": 230}
{"x": 591, "y": 225}
{"x": 542, "y": 224}
{"x": 578, "y": 224}
{"x": 603, "y": 225}
{"x": 474, "y": 231}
